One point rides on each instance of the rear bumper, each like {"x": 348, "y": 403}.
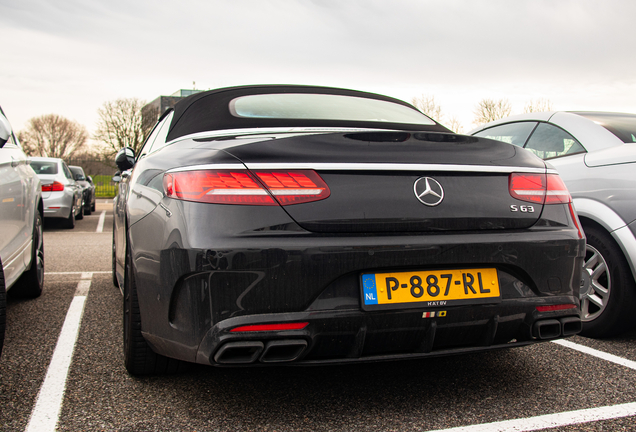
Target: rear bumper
{"x": 196, "y": 283}
{"x": 57, "y": 205}
{"x": 332, "y": 337}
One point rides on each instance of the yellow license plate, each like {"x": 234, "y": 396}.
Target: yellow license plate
{"x": 435, "y": 288}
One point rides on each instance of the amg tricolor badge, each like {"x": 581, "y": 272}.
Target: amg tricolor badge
{"x": 434, "y": 314}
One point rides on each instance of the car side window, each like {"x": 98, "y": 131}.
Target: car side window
{"x": 548, "y": 141}
{"x": 160, "y": 130}
{"x": 11, "y": 142}
{"x": 512, "y": 133}
{"x": 160, "y": 140}
{"x": 67, "y": 171}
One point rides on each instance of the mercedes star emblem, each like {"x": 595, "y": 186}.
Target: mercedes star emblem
{"x": 428, "y": 191}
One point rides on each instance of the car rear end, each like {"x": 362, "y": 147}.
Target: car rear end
{"x": 55, "y": 192}
{"x": 350, "y": 247}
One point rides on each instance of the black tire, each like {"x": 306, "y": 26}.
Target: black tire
{"x": 80, "y": 214}
{"x": 114, "y": 262}
{"x": 93, "y": 204}
{"x": 3, "y": 308}
{"x": 69, "y": 222}
{"x": 31, "y": 282}
{"x": 608, "y": 292}
{"x": 87, "y": 208}
{"x": 139, "y": 358}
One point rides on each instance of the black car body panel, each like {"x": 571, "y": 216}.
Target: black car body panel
{"x": 203, "y": 270}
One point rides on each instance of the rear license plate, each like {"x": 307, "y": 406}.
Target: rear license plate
{"x": 435, "y": 288}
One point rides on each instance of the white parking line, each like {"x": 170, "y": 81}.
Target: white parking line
{"x": 78, "y": 272}
{"x": 552, "y": 420}
{"x": 46, "y": 412}
{"x": 596, "y": 353}
{"x": 100, "y": 224}
{"x": 564, "y": 418}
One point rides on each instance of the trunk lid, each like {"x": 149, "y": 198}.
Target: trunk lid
{"x": 375, "y": 179}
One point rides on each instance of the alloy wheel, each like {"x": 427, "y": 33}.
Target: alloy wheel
{"x": 596, "y": 285}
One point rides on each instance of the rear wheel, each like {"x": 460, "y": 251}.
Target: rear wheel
{"x": 31, "y": 282}
{"x": 70, "y": 221}
{"x": 114, "y": 262}
{"x": 608, "y": 290}
{"x": 87, "y": 207}
{"x": 80, "y": 213}
{"x": 3, "y": 308}
{"x": 139, "y": 358}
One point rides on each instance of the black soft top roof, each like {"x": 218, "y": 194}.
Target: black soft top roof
{"x": 209, "y": 111}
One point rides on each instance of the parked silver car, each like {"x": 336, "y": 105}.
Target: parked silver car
{"x": 595, "y": 154}
{"x": 21, "y": 241}
{"x": 62, "y": 195}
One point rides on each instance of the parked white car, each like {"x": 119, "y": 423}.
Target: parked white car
{"x": 595, "y": 154}
{"x": 62, "y": 195}
{"x": 21, "y": 241}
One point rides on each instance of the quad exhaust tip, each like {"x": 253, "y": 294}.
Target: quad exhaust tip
{"x": 239, "y": 352}
{"x": 277, "y": 351}
{"x": 553, "y": 328}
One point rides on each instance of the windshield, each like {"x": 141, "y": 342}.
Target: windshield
{"x": 44, "y": 167}
{"x": 324, "y": 107}
{"x": 621, "y": 125}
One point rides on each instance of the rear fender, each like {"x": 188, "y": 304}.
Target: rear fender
{"x": 612, "y": 223}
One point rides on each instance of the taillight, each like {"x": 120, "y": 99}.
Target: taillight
{"x": 538, "y": 188}
{"x": 53, "y": 187}
{"x": 557, "y": 192}
{"x": 245, "y": 187}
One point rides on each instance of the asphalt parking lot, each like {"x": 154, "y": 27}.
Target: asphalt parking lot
{"x": 530, "y": 388}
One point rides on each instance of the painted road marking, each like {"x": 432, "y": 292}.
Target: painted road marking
{"x": 78, "y": 272}
{"x": 552, "y": 420}
{"x": 100, "y": 224}
{"x": 565, "y": 418}
{"x": 596, "y": 353}
{"x": 45, "y": 414}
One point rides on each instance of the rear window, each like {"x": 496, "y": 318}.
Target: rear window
{"x": 621, "y": 125}
{"x": 77, "y": 170}
{"x": 44, "y": 167}
{"x": 324, "y": 107}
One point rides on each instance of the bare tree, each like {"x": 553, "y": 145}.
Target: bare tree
{"x": 455, "y": 125}
{"x": 427, "y": 105}
{"x": 488, "y": 110}
{"x": 52, "y": 135}
{"x": 120, "y": 125}
{"x": 538, "y": 105}
{"x": 149, "y": 117}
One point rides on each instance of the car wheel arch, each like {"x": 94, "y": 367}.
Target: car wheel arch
{"x": 592, "y": 213}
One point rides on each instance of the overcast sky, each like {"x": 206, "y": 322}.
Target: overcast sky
{"x": 68, "y": 57}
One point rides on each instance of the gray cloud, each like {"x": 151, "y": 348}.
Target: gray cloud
{"x": 523, "y": 48}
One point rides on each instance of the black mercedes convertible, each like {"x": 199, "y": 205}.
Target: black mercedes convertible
{"x": 287, "y": 224}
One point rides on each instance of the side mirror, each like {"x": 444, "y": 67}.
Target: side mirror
{"x": 125, "y": 159}
{"x": 90, "y": 179}
{"x": 117, "y": 177}
{"x": 5, "y": 130}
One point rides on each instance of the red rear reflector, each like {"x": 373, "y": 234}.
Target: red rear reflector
{"x": 243, "y": 187}
{"x": 538, "y": 188}
{"x": 575, "y": 219}
{"x": 555, "y": 307}
{"x": 270, "y": 327}
{"x": 53, "y": 187}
